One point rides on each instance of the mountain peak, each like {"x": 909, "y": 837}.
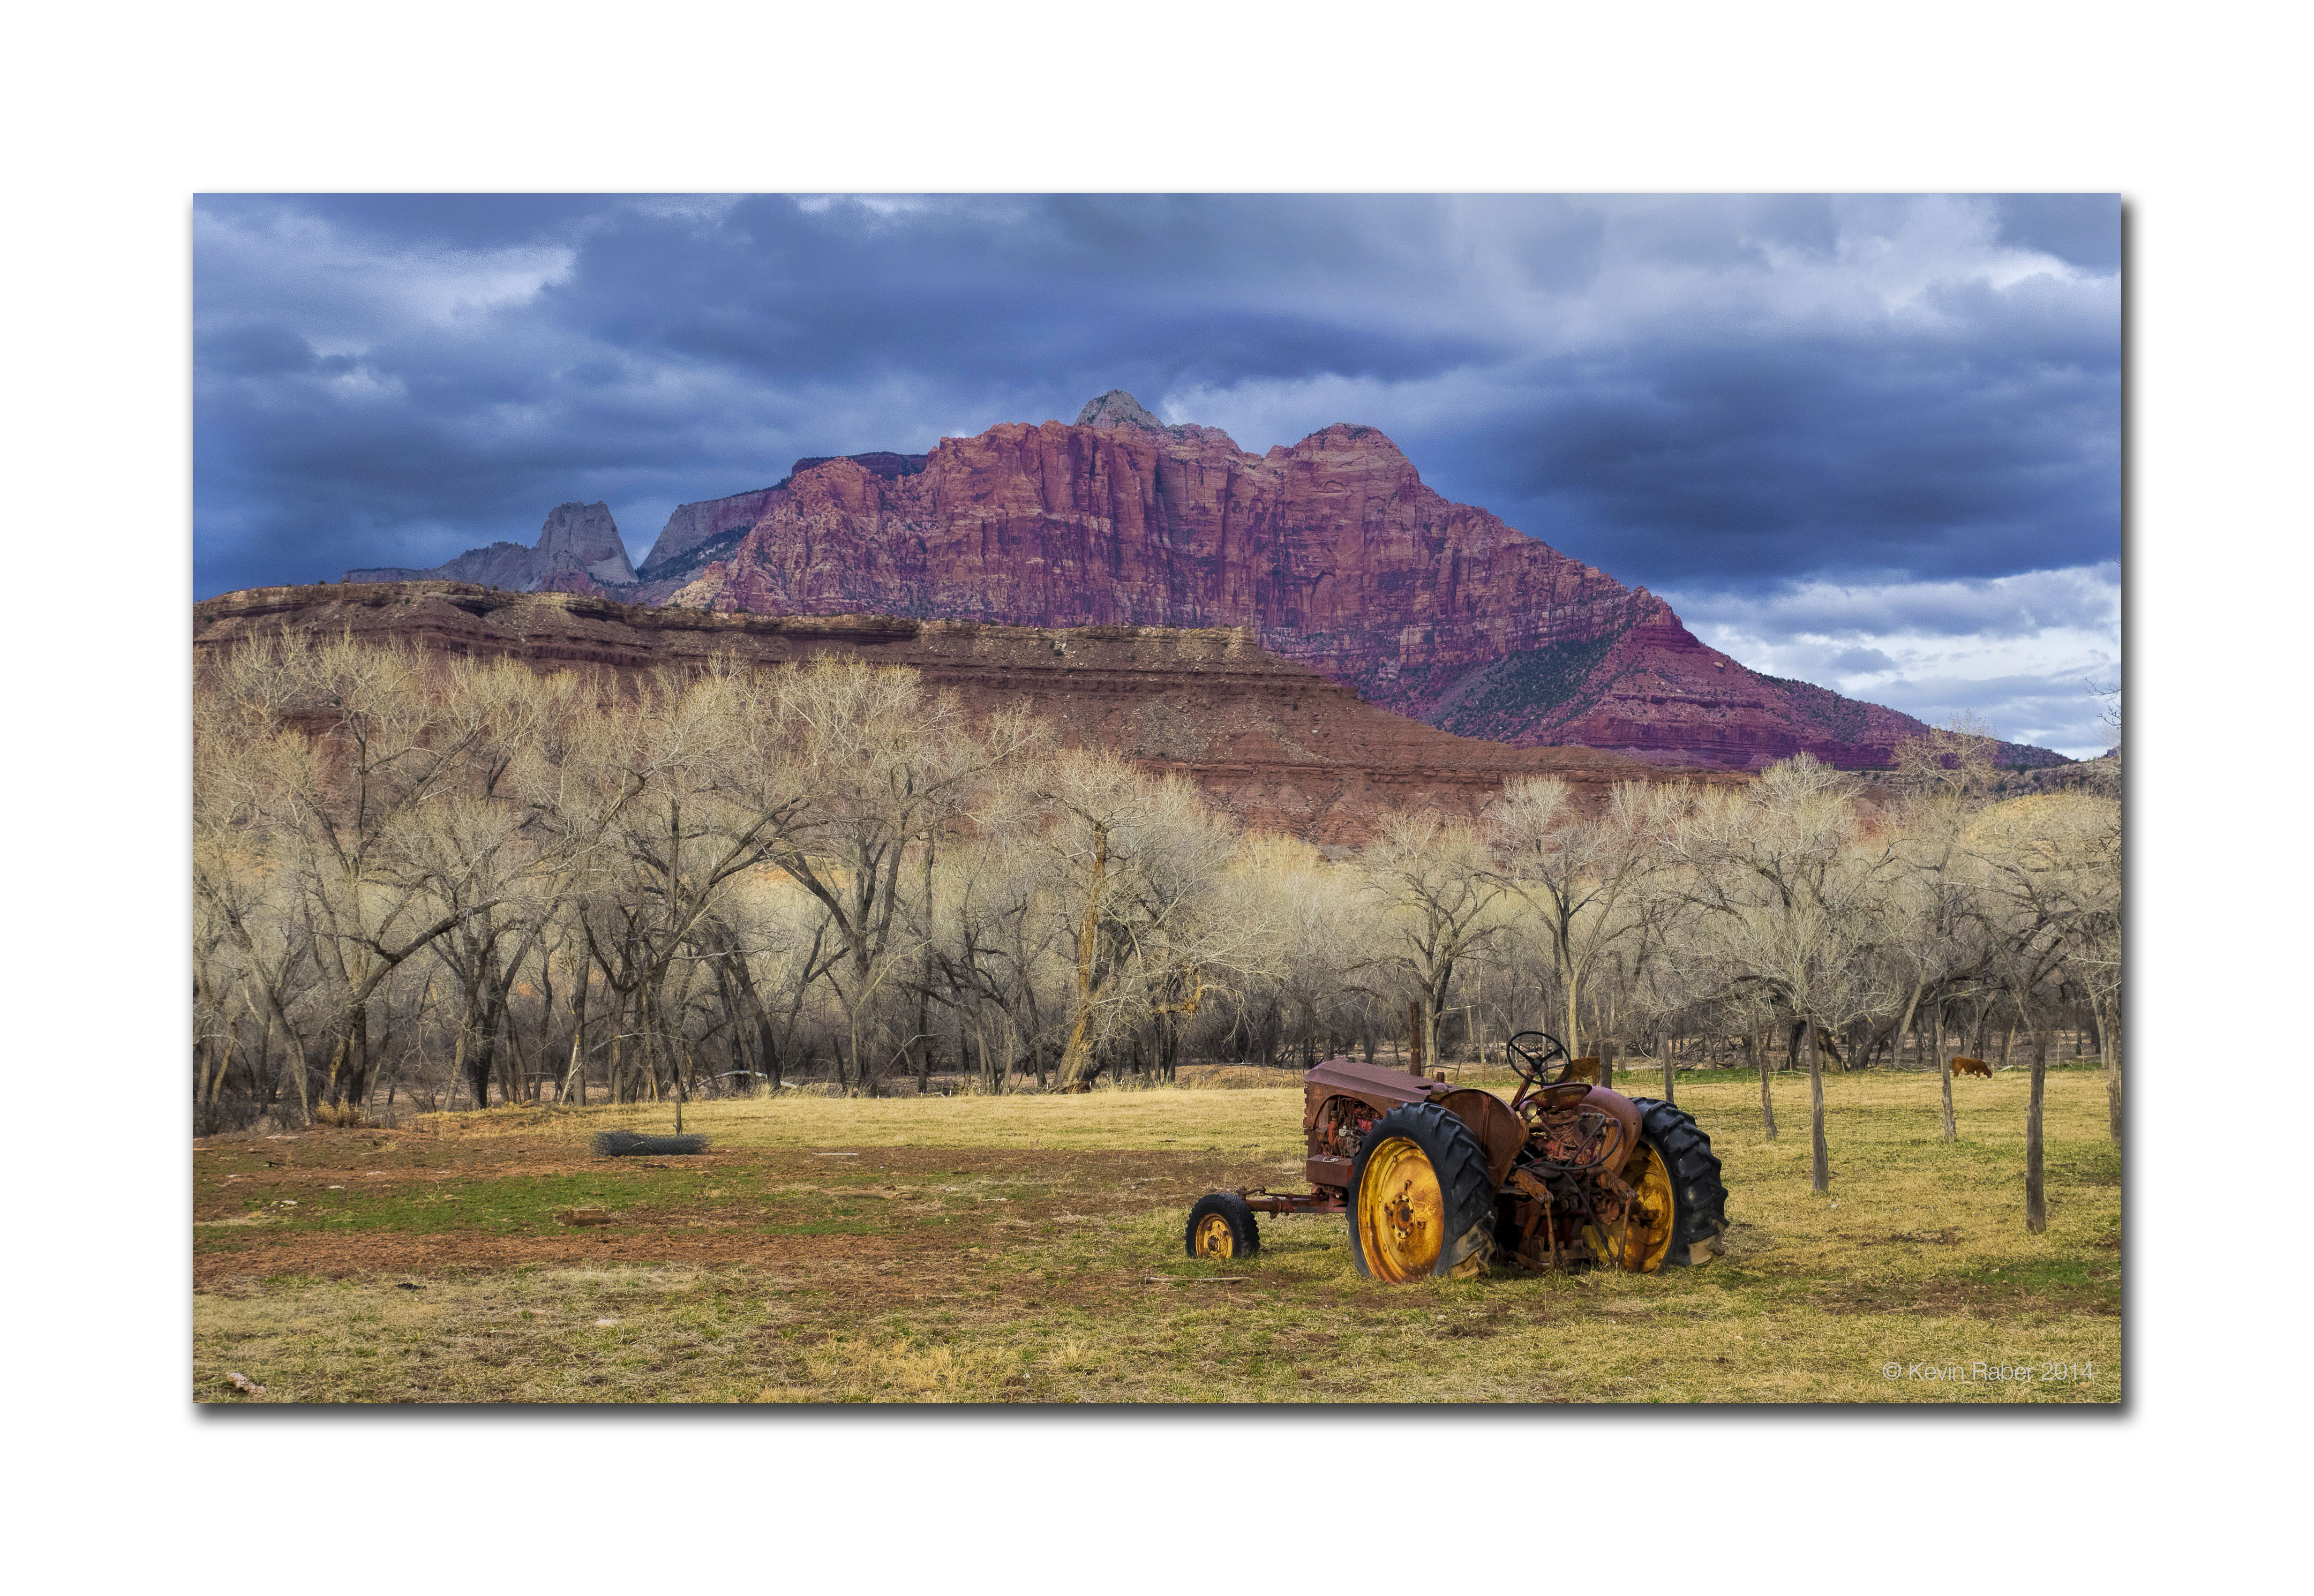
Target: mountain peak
{"x": 1117, "y": 407}
{"x": 579, "y": 543}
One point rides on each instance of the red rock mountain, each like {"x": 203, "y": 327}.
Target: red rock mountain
{"x": 699, "y": 533}
{"x": 1332, "y": 553}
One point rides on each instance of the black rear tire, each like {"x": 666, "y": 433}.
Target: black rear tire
{"x": 1467, "y": 1244}
{"x": 1231, "y": 1229}
{"x": 1699, "y": 1198}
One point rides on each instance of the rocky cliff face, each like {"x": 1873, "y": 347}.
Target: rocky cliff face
{"x": 702, "y": 526}
{"x": 698, "y": 534}
{"x": 578, "y": 550}
{"x": 1274, "y": 742}
{"x": 585, "y": 536}
{"x": 1333, "y": 553}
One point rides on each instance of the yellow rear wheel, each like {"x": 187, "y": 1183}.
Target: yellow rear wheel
{"x": 1640, "y": 1241}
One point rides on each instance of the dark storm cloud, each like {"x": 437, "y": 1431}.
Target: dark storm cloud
{"x": 390, "y": 380}
{"x": 1011, "y": 297}
{"x": 2083, "y": 230}
{"x": 1719, "y": 395}
{"x": 1976, "y": 433}
{"x": 396, "y": 221}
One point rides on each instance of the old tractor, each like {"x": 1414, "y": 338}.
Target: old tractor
{"x": 1441, "y": 1180}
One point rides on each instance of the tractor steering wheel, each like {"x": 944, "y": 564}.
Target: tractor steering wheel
{"x": 1535, "y": 1060}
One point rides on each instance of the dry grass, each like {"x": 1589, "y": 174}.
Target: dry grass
{"x": 1230, "y": 1078}
{"x": 1264, "y": 1119}
{"x": 1007, "y": 1249}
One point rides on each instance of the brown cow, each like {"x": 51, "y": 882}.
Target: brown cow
{"x": 1972, "y": 1066}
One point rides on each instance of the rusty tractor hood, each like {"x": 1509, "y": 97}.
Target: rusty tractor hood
{"x": 1378, "y": 1085}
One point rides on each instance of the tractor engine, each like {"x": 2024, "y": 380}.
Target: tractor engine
{"x": 1341, "y": 1126}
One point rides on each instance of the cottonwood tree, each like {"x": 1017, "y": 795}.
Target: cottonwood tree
{"x": 1323, "y": 937}
{"x": 416, "y": 872}
{"x": 1660, "y": 986}
{"x": 252, "y": 964}
{"x": 250, "y": 967}
{"x": 1581, "y": 875}
{"x": 1440, "y": 897}
{"x": 696, "y": 786}
{"x": 1794, "y": 902}
{"x": 497, "y": 861}
{"x": 2095, "y": 951}
{"x": 991, "y": 934}
{"x": 2042, "y": 855}
{"x": 885, "y": 767}
{"x": 767, "y": 948}
{"x": 1137, "y": 870}
{"x": 326, "y": 756}
{"x": 1936, "y": 927}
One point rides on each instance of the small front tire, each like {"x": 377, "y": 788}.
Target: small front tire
{"x": 1222, "y": 1228}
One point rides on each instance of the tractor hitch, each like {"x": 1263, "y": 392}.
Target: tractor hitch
{"x": 1262, "y": 1200}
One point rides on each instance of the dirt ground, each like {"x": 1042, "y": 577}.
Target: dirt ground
{"x": 1029, "y": 1250}
{"x": 734, "y": 1199}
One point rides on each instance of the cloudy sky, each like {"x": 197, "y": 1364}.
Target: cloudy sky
{"x": 1873, "y": 442}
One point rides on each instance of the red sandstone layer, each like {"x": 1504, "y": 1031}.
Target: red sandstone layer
{"x": 1271, "y": 740}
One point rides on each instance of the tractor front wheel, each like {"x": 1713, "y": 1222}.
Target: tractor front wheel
{"x": 1220, "y": 1226}
{"x": 1421, "y": 1205}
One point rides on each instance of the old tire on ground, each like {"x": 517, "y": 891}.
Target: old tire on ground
{"x": 1421, "y": 1205}
{"x": 1220, "y": 1226}
{"x": 1700, "y": 1199}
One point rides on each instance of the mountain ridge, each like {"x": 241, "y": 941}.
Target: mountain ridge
{"x": 1332, "y": 551}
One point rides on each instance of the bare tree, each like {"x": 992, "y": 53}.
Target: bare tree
{"x": 1581, "y": 875}
{"x": 886, "y": 767}
{"x": 1936, "y": 927}
{"x": 326, "y": 757}
{"x": 1440, "y": 895}
{"x": 726, "y": 874}
{"x": 1323, "y": 939}
{"x": 1795, "y": 900}
{"x": 991, "y": 936}
{"x": 695, "y": 788}
{"x": 1138, "y": 870}
{"x": 2043, "y": 858}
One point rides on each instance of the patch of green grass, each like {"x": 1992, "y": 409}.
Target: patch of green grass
{"x": 516, "y": 1202}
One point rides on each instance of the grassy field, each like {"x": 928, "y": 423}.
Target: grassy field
{"x": 1029, "y": 1248}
